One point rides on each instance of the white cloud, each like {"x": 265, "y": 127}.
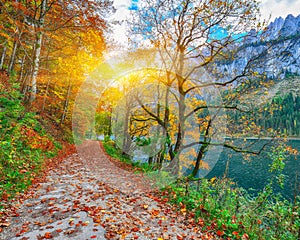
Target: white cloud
{"x": 279, "y": 8}
{"x": 121, "y": 14}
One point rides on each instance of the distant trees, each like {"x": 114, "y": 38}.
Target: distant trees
{"x": 282, "y": 114}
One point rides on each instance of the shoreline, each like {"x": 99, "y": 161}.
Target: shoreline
{"x": 265, "y": 138}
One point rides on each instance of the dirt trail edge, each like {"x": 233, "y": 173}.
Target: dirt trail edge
{"x": 89, "y": 197}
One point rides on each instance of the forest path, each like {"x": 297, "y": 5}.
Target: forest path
{"x": 90, "y": 197}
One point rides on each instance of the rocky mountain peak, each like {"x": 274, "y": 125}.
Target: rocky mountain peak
{"x": 290, "y": 26}
{"x": 276, "y": 51}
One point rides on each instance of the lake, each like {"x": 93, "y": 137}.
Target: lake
{"x": 253, "y": 174}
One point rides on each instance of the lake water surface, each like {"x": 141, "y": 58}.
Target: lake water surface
{"x": 254, "y": 174}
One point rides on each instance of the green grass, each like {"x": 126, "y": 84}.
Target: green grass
{"x": 112, "y": 150}
{"x": 231, "y": 212}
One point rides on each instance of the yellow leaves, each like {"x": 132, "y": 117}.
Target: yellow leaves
{"x": 4, "y": 35}
{"x": 291, "y": 150}
{"x": 212, "y": 180}
{"x": 204, "y": 165}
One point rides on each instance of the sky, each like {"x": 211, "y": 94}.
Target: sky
{"x": 280, "y": 8}
{"x": 274, "y": 7}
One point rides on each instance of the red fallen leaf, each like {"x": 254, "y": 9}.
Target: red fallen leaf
{"x": 155, "y": 212}
{"x": 179, "y": 237}
{"x": 70, "y": 231}
{"x": 245, "y": 236}
{"x": 48, "y": 235}
{"x": 97, "y": 220}
{"x": 94, "y": 236}
{"x": 59, "y": 230}
{"x": 235, "y": 233}
{"x": 201, "y": 222}
{"x": 86, "y": 209}
{"x": 135, "y": 237}
{"x": 135, "y": 229}
{"x": 5, "y": 196}
{"x": 220, "y": 233}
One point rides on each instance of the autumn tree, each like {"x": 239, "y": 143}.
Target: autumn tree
{"x": 191, "y": 37}
{"x": 36, "y": 33}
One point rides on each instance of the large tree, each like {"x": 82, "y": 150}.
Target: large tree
{"x": 191, "y": 37}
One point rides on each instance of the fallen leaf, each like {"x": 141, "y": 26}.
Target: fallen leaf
{"x": 155, "y": 213}
{"x": 4, "y": 224}
{"x": 220, "y": 233}
{"x": 48, "y": 235}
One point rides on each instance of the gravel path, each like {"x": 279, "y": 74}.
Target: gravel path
{"x": 89, "y": 197}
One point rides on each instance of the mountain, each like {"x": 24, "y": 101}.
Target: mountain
{"x": 274, "y": 52}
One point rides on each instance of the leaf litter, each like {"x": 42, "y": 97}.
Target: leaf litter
{"x": 92, "y": 198}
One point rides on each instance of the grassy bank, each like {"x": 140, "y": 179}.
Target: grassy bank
{"x": 111, "y": 149}
{"x": 24, "y": 142}
{"x": 219, "y": 205}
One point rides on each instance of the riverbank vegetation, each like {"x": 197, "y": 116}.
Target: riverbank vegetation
{"x": 221, "y": 206}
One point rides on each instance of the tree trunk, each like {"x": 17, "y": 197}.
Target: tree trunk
{"x": 201, "y": 152}
{"x": 3, "y": 57}
{"x": 48, "y": 84}
{"x": 63, "y": 117}
{"x": 46, "y": 94}
{"x": 109, "y": 131}
{"x": 126, "y": 137}
{"x": 37, "y": 52}
{"x": 13, "y": 56}
{"x": 22, "y": 69}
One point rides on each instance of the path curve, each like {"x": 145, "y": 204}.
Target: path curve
{"x": 91, "y": 198}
